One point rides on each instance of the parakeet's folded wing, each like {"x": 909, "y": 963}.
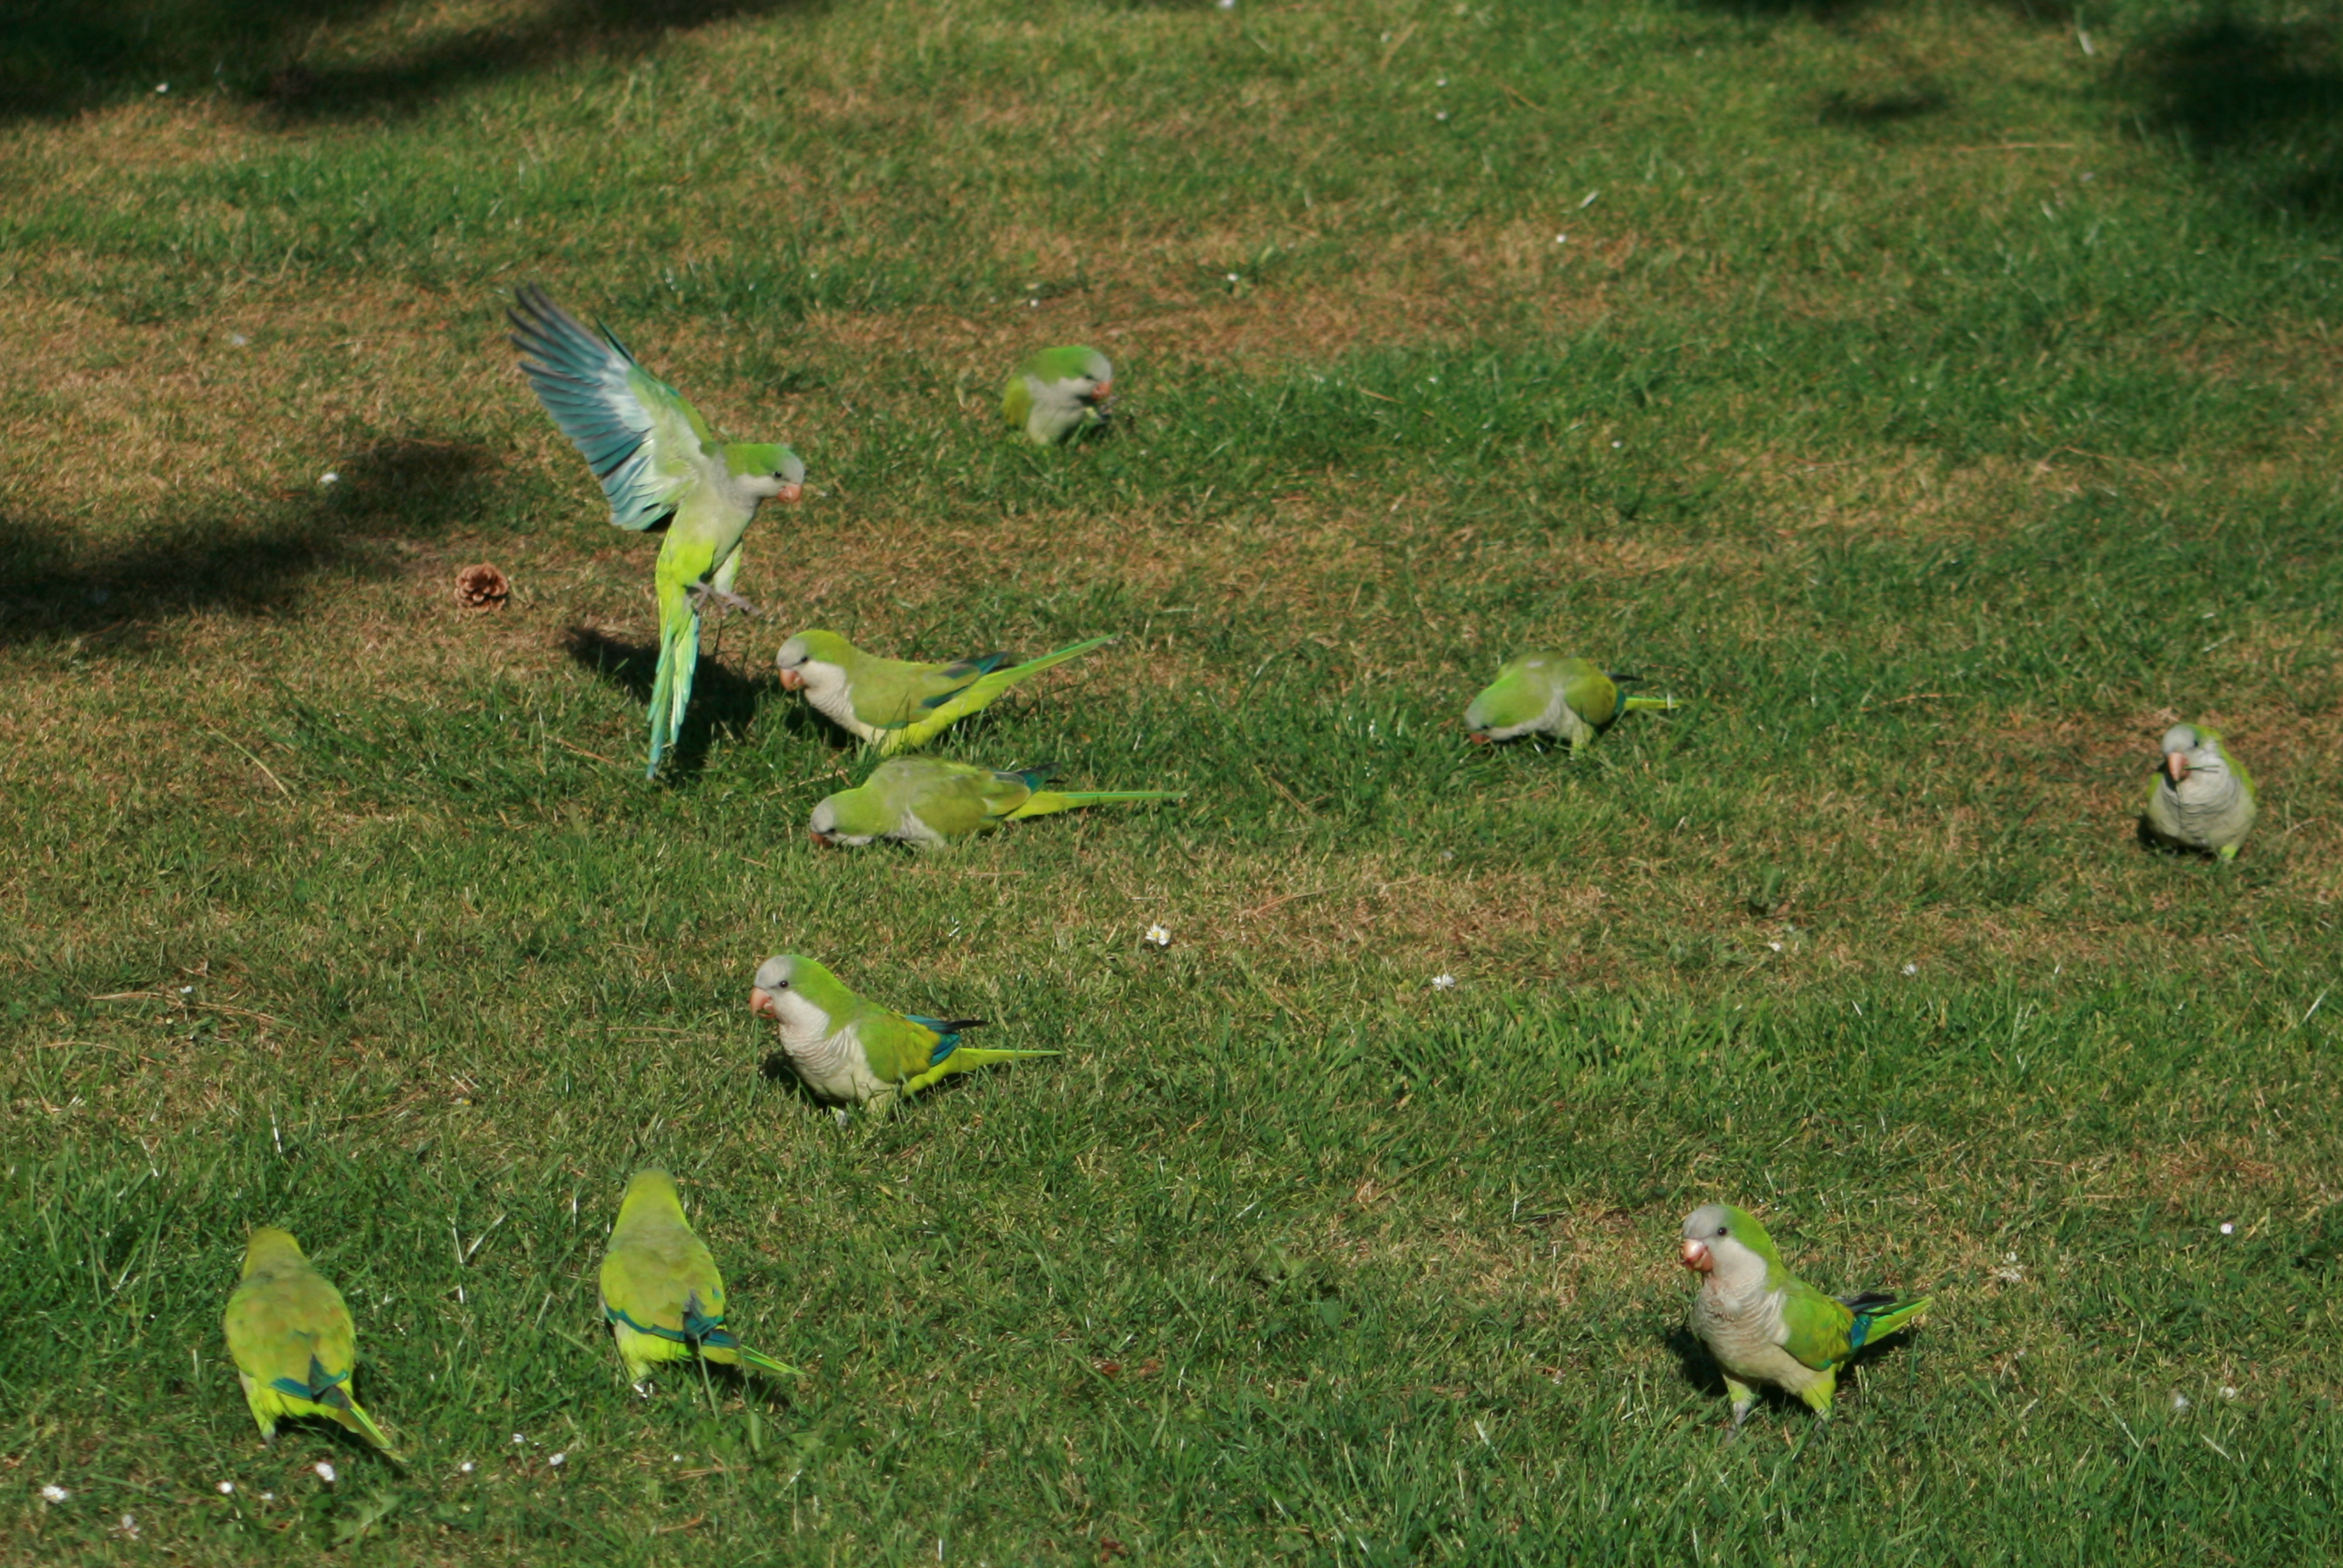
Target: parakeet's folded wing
{"x": 662, "y": 1295}
{"x": 644, "y": 442}
{"x": 1816, "y": 1327}
{"x": 296, "y": 1335}
{"x": 1591, "y": 695}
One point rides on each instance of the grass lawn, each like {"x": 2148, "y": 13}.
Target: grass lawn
{"x": 1938, "y": 398}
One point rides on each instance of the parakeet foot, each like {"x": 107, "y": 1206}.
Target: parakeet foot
{"x": 703, "y": 596}
{"x": 845, "y": 1117}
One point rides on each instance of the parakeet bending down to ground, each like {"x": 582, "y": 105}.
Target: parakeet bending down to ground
{"x": 1764, "y": 1324}
{"x": 896, "y": 704}
{"x": 2204, "y": 798}
{"x": 1546, "y": 694}
{"x": 293, "y": 1341}
{"x": 661, "y": 470}
{"x": 661, "y": 1294}
{"x": 850, "y": 1051}
{"x": 930, "y": 803}
{"x": 1058, "y": 393}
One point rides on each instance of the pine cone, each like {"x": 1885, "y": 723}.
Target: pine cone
{"x": 481, "y": 587}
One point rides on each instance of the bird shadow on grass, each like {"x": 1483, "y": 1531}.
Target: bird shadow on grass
{"x": 723, "y": 701}
{"x": 259, "y": 560}
{"x": 56, "y": 60}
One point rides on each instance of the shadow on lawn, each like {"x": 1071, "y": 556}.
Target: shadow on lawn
{"x": 58, "y": 59}
{"x": 2259, "y": 105}
{"x": 60, "y": 584}
{"x": 723, "y": 700}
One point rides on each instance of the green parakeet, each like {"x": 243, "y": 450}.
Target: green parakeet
{"x": 896, "y": 704}
{"x": 1546, "y": 694}
{"x": 850, "y": 1051}
{"x": 2204, "y": 798}
{"x": 1057, "y": 393}
{"x": 928, "y": 803}
{"x": 293, "y": 1341}
{"x": 1764, "y": 1324}
{"x": 661, "y": 1294}
{"x": 661, "y": 471}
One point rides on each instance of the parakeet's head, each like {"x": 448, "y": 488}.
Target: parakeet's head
{"x": 1076, "y": 372}
{"x": 270, "y": 1247}
{"x": 809, "y": 648}
{"x": 765, "y": 468}
{"x": 1719, "y": 1239}
{"x": 797, "y": 993}
{"x": 2191, "y": 748}
{"x": 651, "y": 1192}
{"x": 850, "y": 819}
{"x": 1515, "y": 703}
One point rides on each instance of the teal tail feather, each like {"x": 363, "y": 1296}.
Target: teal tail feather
{"x": 1872, "y": 1324}
{"x": 671, "y": 687}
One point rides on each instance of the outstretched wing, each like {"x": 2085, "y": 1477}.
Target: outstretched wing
{"x": 643, "y": 441}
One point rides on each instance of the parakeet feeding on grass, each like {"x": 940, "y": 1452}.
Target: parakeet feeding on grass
{"x": 1764, "y": 1324}
{"x": 661, "y": 1294}
{"x": 930, "y": 803}
{"x": 1058, "y": 393}
{"x": 894, "y": 703}
{"x": 2204, "y": 798}
{"x": 1547, "y": 694}
{"x": 291, "y": 1337}
{"x": 661, "y": 470}
{"x": 850, "y": 1051}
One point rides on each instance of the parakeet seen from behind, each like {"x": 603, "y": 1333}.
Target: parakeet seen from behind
{"x": 290, "y": 1335}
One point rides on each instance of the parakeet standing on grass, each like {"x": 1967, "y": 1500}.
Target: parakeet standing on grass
{"x": 1764, "y": 1324}
{"x": 2204, "y": 798}
{"x": 291, "y": 1337}
{"x": 1546, "y": 694}
{"x": 661, "y": 1294}
{"x": 661, "y": 470}
{"x": 850, "y": 1051}
{"x": 928, "y": 803}
{"x": 896, "y": 704}
{"x": 1058, "y": 393}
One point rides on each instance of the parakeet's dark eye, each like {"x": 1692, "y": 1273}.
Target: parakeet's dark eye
{"x": 784, "y": 985}
{"x": 1724, "y": 1230}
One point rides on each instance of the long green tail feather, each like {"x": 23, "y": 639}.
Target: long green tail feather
{"x": 1647, "y": 704}
{"x": 671, "y": 687}
{"x": 1042, "y": 802}
{"x": 763, "y": 1362}
{"x": 1886, "y": 1323}
{"x": 966, "y": 1058}
{"x": 354, "y": 1416}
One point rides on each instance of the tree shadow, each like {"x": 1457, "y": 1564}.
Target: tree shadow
{"x": 2258, "y": 104}
{"x": 724, "y": 703}
{"x": 58, "y": 59}
{"x": 60, "y": 582}
{"x": 1879, "y": 111}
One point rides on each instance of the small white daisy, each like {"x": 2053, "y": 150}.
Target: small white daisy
{"x": 1562, "y": 239}
{"x": 518, "y": 1438}
{"x": 54, "y": 1495}
{"x": 465, "y": 1468}
{"x": 1234, "y": 278}
{"x": 558, "y": 1460}
{"x": 2179, "y": 1402}
{"x": 1443, "y": 983}
{"x": 1157, "y": 936}
{"x": 2228, "y": 1392}
{"x": 2228, "y": 1228}
{"x": 1911, "y": 968}
{"x": 325, "y": 1469}
{"x": 227, "y": 1489}
{"x": 128, "y": 1527}
{"x": 1775, "y": 946}
{"x": 329, "y": 477}
{"x": 1441, "y": 115}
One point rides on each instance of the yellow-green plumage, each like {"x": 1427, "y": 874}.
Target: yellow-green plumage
{"x": 1549, "y": 694}
{"x": 291, "y": 1337}
{"x": 661, "y": 1293}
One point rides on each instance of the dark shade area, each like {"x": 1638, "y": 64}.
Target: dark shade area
{"x": 56, "y": 59}
{"x": 2258, "y": 104}
{"x": 56, "y": 581}
{"x": 723, "y": 700}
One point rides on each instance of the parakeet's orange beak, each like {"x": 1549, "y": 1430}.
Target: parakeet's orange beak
{"x": 761, "y": 1002}
{"x": 792, "y": 681}
{"x": 820, "y": 838}
{"x": 1105, "y": 389}
{"x": 789, "y": 493}
{"x": 2176, "y": 766}
{"x": 1476, "y": 738}
{"x": 1696, "y": 1254}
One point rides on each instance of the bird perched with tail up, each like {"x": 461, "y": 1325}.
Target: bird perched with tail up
{"x": 1056, "y": 394}
{"x": 660, "y": 468}
{"x": 894, "y": 703}
{"x": 290, "y": 1335}
{"x": 850, "y": 1051}
{"x": 928, "y": 803}
{"x": 1764, "y": 1324}
{"x": 1547, "y": 694}
{"x": 2203, "y": 798}
{"x": 661, "y": 1294}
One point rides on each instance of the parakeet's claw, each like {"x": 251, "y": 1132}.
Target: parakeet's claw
{"x": 703, "y": 595}
{"x": 642, "y": 1390}
{"x": 845, "y": 1118}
